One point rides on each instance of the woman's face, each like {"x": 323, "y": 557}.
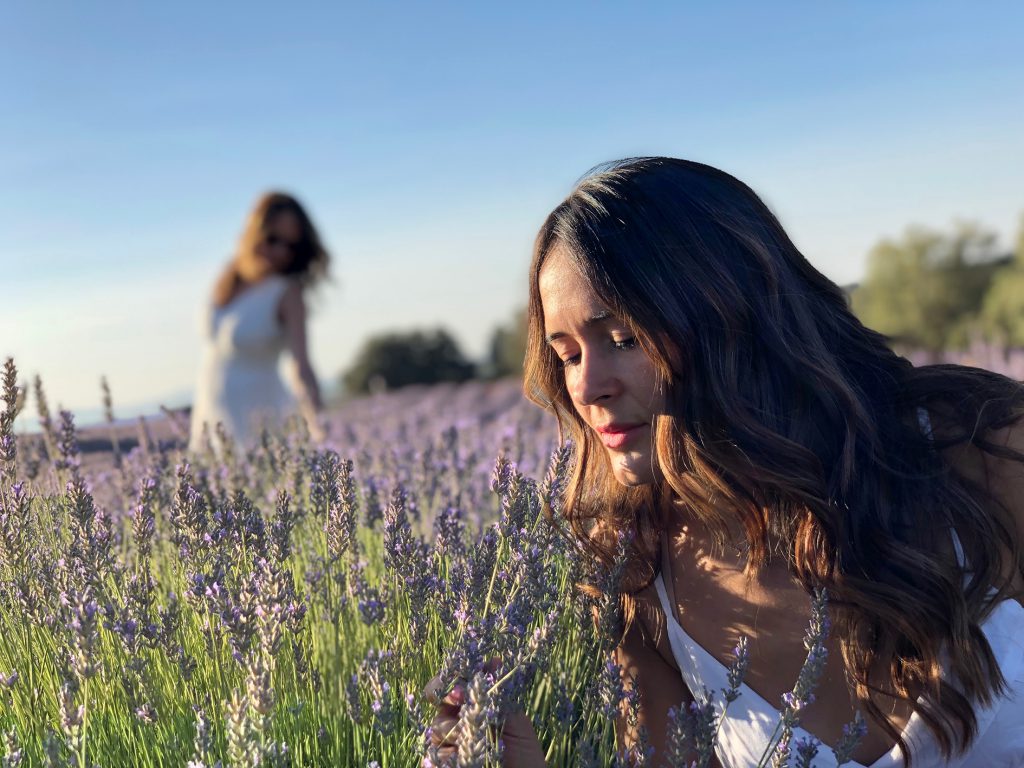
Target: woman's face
{"x": 610, "y": 379}
{"x": 282, "y": 237}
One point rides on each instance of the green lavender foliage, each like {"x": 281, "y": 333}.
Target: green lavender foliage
{"x": 285, "y": 605}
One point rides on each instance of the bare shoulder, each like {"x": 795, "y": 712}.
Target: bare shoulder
{"x": 293, "y": 303}
{"x": 293, "y": 292}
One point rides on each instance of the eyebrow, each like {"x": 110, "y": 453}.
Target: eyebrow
{"x": 600, "y": 317}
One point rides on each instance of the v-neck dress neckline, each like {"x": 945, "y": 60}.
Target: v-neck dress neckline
{"x": 751, "y": 720}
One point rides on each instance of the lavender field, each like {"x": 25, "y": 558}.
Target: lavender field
{"x": 286, "y": 606}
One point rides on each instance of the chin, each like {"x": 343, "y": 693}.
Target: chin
{"x": 632, "y": 471}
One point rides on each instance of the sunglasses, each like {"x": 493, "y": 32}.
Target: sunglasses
{"x": 291, "y": 245}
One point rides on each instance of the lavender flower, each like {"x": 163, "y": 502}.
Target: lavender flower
{"x": 144, "y": 517}
{"x": 783, "y": 751}
{"x": 737, "y": 670}
{"x": 189, "y": 517}
{"x": 325, "y": 472}
{"x": 806, "y": 751}
{"x": 83, "y": 621}
{"x": 588, "y": 754}
{"x": 243, "y": 748}
{"x": 14, "y": 527}
{"x": 564, "y": 708}
{"x": 108, "y": 413}
{"x": 13, "y": 753}
{"x": 352, "y": 700}
{"x": 476, "y": 747}
{"x": 68, "y": 461}
{"x": 853, "y": 734}
{"x": 554, "y": 481}
{"x": 334, "y": 496}
{"x": 400, "y": 547}
{"x": 690, "y": 734}
{"x": 45, "y": 420}
{"x": 53, "y": 750}
{"x": 8, "y": 445}
{"x": 248, "y": 715}
{"x": 801, "y": 696}
{"x": 72, "y": 716}
{"x": 385, "y": 703}
{"x": 202, "y": 751}
{"x": 284, "y": 523}
{"x": 610, "y": 688}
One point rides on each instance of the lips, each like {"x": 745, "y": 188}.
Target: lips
{"x": 616, "y": 435}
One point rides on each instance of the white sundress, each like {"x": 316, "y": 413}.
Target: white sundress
{"x": 750, "y": 723}
{"x": 239, "y": 383}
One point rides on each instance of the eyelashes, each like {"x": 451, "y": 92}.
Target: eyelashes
{"x": 620, "y": 345}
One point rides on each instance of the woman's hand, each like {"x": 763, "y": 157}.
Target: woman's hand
{"x": 444, "y": 727}
{"x": 521, "y": 747}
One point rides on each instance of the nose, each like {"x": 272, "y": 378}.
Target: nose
{"x": 592, "y": 380}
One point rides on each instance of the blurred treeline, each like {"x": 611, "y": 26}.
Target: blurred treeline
{"x": 940, "y": 291}
{"x": 393, "y": 360}
{"x": 929, "y": 291}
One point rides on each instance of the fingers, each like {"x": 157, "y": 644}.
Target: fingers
{"x": 444, "y": 743}
{"x": 442, "y": 758}
{"x": 455, "y": 697}
{"x": 432, "y": 689}
{"x": 522, "y": 748}
{"x": 444, "y": 731}
{"x": 518, "y": 726}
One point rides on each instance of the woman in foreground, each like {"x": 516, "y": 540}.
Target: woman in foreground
{"x": 257, "y": 312}
{"x": 760, "y": 444}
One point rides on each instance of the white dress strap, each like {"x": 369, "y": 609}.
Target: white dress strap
{"x": 751, "y": 720}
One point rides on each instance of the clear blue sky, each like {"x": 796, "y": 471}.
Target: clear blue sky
{"x": 430, "y": 139}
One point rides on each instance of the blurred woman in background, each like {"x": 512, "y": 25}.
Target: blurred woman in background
{"x": 256, "y": 313}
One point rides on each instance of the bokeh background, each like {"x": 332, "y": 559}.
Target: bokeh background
{"x": 430, "y": 140}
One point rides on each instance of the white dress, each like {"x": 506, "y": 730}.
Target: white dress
{"x": 239, "y": 382}
{"x": 751, "y": 720}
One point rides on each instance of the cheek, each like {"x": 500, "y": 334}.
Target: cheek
{"x": 570, "y": 384}
{"x": 573, "y": 401}
{"x": 649, "y": 386}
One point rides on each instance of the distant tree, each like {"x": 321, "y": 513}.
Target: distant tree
{"x": 1003, "y": 310}
{"x": 396, "y": 360}
{"x": 927, "y": 289}
{"x": 507, "y": 349}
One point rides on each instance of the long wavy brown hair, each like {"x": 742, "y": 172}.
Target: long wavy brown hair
{"x": 309, "y": 258}
{"x": 786, "y": 414}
